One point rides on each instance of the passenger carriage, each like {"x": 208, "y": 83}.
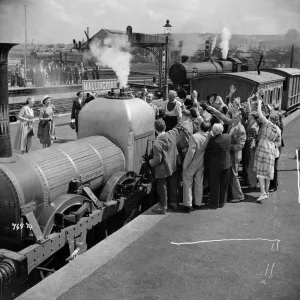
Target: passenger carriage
{"x": 291, "y": 87}
{"x": 246, "y": 83}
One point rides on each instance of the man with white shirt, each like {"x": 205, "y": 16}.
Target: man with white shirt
{"x": 149, "y": 99}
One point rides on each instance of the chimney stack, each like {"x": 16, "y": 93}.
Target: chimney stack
{"x": 5, "y": 142}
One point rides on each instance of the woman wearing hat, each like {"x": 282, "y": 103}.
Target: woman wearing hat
{"x": 24, "y": 138}
{"x": 46, "y": 130}
{"x": 78, "y": 104}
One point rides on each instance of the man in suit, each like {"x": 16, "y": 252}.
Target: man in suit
{"x": 238, "y": 138}
{"x": 193, "y": 167}
{"x": 164, "y": 163}
{"x": 218, "y": 155}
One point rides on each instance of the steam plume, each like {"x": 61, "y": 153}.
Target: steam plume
{"x": 213, "y": 44}
{"x": 114, "y": 53}
{"x": 225, "y": 37}
{"x": 191, "y": 43}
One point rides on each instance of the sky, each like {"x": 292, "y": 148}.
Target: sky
{"x": 60, "y": 21}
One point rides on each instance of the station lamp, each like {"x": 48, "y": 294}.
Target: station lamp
{"x": 167, "y": 32}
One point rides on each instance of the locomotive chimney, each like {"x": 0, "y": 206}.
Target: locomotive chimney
{"x": 259, "y": 63}
{"x": 5, "y": 143}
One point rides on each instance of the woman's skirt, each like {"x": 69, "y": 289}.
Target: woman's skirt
{"x": 264, "y": 159}
{"x": 21, "y": 137}
{"x": 46, "y": 133}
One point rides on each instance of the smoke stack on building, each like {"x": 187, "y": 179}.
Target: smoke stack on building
{"x": 5, "y": 142}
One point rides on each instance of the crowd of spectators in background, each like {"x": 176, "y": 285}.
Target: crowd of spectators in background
{"x": 53, "y": 73}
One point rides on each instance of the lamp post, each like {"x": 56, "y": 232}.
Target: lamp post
{"x": 167, "y": 32}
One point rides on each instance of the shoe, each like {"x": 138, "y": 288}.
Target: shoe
{"x": 187, "y": 209}
{"x": 197, "y": 206}
{"x": 272, "y": 190}
{"x": 159, "y": 210}
{"x": 206, "y": 207}
{"x": 263, "y": 196}
{"x": 173, "y": 206}
{"x": 237, "y": 200}
{"x": 267, "y": 195}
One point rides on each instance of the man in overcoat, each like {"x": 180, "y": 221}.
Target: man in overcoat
{"x": 164, "y": 162}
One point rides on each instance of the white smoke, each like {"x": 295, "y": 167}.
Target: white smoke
{"x": 213, "y": 44}
{"x": 114, "y": 53}
{"x": 225, "y": 37}
{"x": 191, "y": 43}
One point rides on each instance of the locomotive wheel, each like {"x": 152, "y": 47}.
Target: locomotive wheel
{"x": 109, "y": 191}
{"x": 123, "y": 178}
{"x": 63, "y": 205}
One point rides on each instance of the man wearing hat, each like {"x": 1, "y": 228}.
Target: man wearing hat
{"x": 78, "y": 104}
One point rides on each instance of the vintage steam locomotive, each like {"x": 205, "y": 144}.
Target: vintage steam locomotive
{"x": 56, "y": 201}
{"x": 181, "y": 74}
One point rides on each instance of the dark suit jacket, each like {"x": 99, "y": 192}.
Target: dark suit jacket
{"x": 76, "y": 107}
{"x": 217, "y": 152}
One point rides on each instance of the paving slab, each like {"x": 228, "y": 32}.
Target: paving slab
{"x": 242, "y": 251}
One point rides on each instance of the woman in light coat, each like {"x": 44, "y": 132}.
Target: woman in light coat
{"x": 23, "y": 138}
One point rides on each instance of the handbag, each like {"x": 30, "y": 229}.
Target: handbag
{"x": 31, "y": 132}
{"x": 72, "y": 125}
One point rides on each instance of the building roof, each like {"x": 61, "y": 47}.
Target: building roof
{"x": 112, "y": 31}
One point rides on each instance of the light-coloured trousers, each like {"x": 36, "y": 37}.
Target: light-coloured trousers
{"x": 192, "y": 178}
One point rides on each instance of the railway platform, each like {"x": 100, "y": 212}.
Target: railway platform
{"x": 242, "y": 251}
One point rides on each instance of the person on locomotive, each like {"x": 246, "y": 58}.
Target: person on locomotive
{"x": 172, "y": 111}
{"x": 23, "y": 138}
{"x": 46, "y": 129}
{"x": 164, "y": 162}
{"x": 193, "y": 167}
{"x": 149, "y": 99}
{"x": 78, "y": 104}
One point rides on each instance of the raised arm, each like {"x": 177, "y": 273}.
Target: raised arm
{"x": 259, "y": 112}
{"x": 219, "y": 115}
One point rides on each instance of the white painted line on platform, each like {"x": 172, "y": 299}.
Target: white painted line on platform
{"x": 298, "y": 183}
{"x": 267, "y": 270}
{"x": 226, "y": 240}
{"x": 271, "y": 270}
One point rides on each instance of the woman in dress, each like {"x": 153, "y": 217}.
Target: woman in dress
{"x": 265, "y": 153}
{"x": 23, "y": 141}
{"x": 46, "y": 130}
{"x": 172, "y": 111}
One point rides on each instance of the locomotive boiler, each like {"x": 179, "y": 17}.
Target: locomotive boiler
{"x": 180, "y": 74}
{"x": 52, "y": 199}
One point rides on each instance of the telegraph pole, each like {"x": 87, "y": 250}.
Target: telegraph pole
{"x": 25, "y": 41}
{"x": 292, "y": 54}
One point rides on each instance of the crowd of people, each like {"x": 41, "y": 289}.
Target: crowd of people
{"x": 53, "y": 73}
{"x": 202, "y": 145}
